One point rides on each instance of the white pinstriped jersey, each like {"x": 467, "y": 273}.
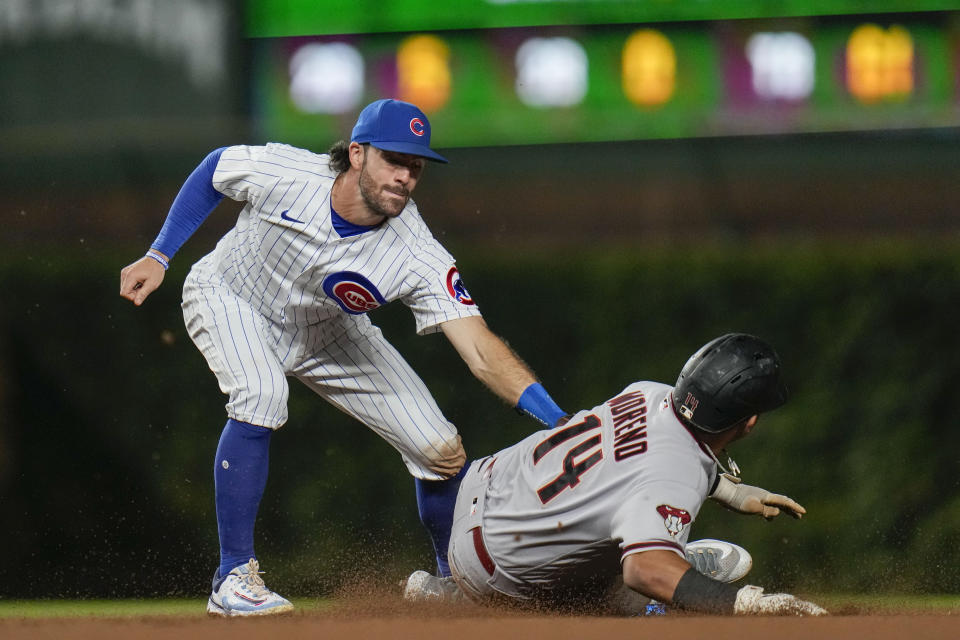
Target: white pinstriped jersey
{"x": 287, "y": 260}
{"x": 285, "y": 293}
{"x": 623, "y": 477}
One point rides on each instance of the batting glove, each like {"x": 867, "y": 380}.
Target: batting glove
{"x": 752, "y": 600}
{"x": 750, "y": 500}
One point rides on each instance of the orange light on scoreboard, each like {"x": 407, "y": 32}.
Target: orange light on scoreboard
{"x": 423, "y": 72}
{"x": 880, "y": 63}
{"x": 649, "y": 68}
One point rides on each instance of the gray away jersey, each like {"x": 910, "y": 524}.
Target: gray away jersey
{"x": 285, "y": 257}
{"x": 621, "y": 478}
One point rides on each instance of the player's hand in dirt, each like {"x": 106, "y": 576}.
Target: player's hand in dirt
{"x": 750, "y": 500}
{"x": 141, "y": 278}
{"x": 752, "y": 600}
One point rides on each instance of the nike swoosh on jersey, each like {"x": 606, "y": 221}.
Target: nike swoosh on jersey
{"x": 286, "y": 217}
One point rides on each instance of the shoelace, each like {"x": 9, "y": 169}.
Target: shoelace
{"x": 253, "y": 581}
{"x": 706, "y": 562}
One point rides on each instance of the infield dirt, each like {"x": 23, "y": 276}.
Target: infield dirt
{"x": 412, "y": 627}
{"x": 387, "y": 616}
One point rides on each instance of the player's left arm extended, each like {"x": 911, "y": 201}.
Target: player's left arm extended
{"x": 743, "y": 498}
{"x": 497, "y": 366}
{"x": 195, "y": 201}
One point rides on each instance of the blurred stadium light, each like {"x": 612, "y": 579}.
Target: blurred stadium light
{"x": 423, "y": 72}
{"x": 649, "y": 68}
{"x": 782, "y": 65}
{"x": 326, "y": 78}
{"x": 880, "y": 63}
{"x": 551, "y": 72}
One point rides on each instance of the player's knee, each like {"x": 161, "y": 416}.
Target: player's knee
{"x": 445, "y": 457}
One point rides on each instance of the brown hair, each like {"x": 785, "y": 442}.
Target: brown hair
{"x": 339, "y": 156}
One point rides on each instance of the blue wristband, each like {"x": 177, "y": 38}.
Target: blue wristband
{"x": 152, "y": 253}
{"x": 537, "y": 403}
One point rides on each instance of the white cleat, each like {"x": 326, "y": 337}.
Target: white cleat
{"x": 243, "y": 593}
{"x": 723, "y": 561}
{"x": 423, "y": 587}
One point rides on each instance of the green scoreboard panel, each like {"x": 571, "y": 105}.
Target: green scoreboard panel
{"x": 280, "y": 18}
{"x": 538, "y": 72}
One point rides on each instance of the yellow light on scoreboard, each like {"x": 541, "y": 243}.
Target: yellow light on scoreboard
{"x": 423, "y": 72}
{"x": 880, "y": 63}
{"x": 649, "y": 68}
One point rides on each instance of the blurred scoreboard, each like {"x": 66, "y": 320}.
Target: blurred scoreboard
{"x": 594, "y": 70}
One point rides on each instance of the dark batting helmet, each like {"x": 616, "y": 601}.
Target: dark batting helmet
{"x": 728, "y": 380}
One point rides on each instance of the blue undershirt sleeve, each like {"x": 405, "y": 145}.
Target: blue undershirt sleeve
{"x": 197, "y": 198}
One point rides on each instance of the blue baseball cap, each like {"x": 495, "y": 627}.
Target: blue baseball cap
{"x": 394, "y": 125}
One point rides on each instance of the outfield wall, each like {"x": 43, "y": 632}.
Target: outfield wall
{"x": 110, "y": 418}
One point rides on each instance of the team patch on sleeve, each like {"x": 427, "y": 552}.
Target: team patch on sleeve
{"x": 456, "y": 289}
{"x": 674, "y": 519}
{"x": 353, "y": 292}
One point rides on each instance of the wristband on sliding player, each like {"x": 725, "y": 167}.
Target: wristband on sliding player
{"x": 697, "y": 592}
{"x": 537, "y": 403}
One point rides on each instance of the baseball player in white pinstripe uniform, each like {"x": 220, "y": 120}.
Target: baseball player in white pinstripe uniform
{"x": 321, "y": 241}
{"x": 565, "y": 516}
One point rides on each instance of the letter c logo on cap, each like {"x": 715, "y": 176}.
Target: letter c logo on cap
{"x": 417, "y": 127}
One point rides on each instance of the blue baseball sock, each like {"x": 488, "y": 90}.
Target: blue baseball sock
{"x": 436, "y": 500}
{"x": 240, "y": 476}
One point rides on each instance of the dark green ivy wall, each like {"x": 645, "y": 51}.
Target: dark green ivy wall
{"x": 109, "y": 418}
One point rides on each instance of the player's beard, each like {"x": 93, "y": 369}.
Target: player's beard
{"x": 374, "y": 198}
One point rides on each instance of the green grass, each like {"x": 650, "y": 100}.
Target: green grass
{"x": 891, "y": 603}
{"x": 182, "y": 608}
{"x": 121, "y": 608}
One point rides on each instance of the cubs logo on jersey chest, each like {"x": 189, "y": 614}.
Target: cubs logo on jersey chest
{"x": 353, "y": 292}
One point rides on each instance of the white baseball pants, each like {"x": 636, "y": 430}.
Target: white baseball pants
{"x": 351, "y": 366}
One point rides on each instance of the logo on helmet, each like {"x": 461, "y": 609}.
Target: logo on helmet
{"x": 674, "y": 519}
{"x": 689, "y": 406}
{"x": 417, "y": 127}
